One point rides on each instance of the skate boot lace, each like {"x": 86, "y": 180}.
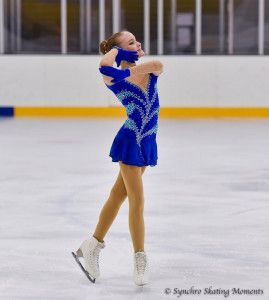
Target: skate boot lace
{"x": 93, "y": 257}
{"x": 141, "y": 263}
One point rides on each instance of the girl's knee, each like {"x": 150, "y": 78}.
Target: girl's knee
{"x": 136, "y": 204}
{"x": 136, "y": 211}
{"x": 118, "y": 195}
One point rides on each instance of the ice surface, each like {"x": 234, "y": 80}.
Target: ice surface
{"x": 206, "y": 209}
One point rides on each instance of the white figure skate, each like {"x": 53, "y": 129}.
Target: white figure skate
{"x": 141, "y": 268}
{"x": 90, "y": 250}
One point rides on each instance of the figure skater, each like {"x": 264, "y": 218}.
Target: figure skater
{"x": 134, "y": 147}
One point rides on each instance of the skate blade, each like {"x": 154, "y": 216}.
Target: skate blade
{"x": 82, "y": 268}
{"x": 142, "y": 284}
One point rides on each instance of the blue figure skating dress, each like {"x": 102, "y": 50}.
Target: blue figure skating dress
{"x": 135, "y": 143}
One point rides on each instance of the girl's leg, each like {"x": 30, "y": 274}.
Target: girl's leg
{"x": 110, "y": 209}
{"x": 132, "y": 177}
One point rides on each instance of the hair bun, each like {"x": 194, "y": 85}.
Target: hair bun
{"x": 106, "y": 45}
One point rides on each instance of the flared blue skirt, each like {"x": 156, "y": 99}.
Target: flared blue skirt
{"x": 126, "y": 149}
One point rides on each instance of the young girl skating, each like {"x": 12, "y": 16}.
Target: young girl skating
{"x": 134, "y": 148}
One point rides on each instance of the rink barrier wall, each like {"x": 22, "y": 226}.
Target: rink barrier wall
{"x": 165, "y": 112}
{"x": 190, "y": 86}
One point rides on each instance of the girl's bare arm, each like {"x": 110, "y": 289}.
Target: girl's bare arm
{"x": 109, "y": 58}
{"x": 154, "y": 66}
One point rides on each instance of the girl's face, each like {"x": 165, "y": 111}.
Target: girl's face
{"x": 129, "y": 42}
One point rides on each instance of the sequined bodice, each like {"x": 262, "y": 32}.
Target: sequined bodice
{"x": 142, "y": 106}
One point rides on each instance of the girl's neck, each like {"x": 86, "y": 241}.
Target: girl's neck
{"x": 125, "y": 64}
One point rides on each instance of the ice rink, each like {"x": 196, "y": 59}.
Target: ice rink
{"x": 206, "y": 209}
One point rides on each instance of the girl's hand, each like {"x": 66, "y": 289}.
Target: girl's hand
{"x": 130, "y": 56}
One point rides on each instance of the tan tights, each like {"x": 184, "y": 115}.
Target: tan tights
{"x": 129, "y": 182}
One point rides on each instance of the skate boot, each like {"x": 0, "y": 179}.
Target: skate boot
{"x": 141, "y": 268}
{"x": 90, "y": 250}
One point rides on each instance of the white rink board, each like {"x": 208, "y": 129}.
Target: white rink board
{"x": 187, "y": 81}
